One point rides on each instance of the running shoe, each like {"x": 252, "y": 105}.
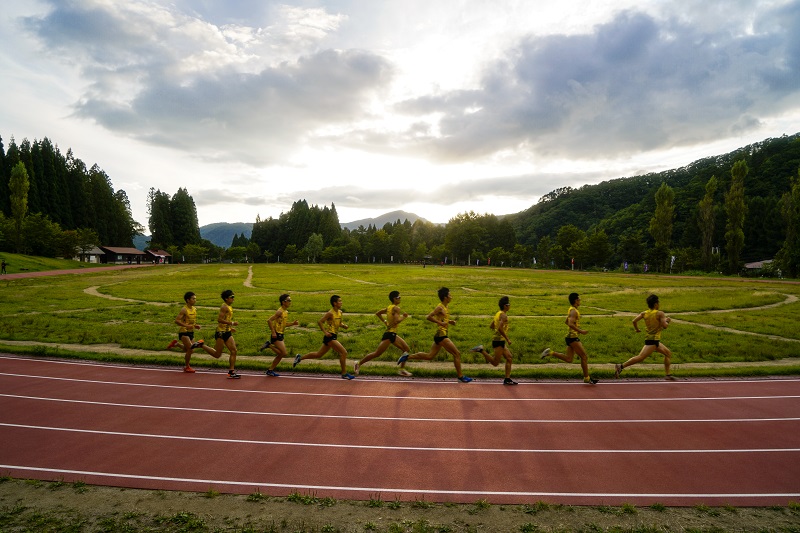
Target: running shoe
{"x": 272, "y": 373}
{"x": 477, "y": 349}
{"x": 509, "y": 381}
{"x": 188, "y": 369}
{"x": 356, "y": 368}
{"x": 296, "y": 360}
{"x": 545, "y": 353}
{"x": 591, "y": 381}
{"x": 405, "y": 373}
{"x": 464, "y": 379}
{"x": 173, "y": 343}
{"x": 348, "y": 376}
{"x": 670, "y": 377}
{"x": 264, "y": 346}
{"x": 617, "y": 370}
{"x": 233, "y": 375}
{"x": 403, "y": 358}
{"x": 198, "y": 344}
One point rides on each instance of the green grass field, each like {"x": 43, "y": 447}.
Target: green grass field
{"x": 717, "y": 320}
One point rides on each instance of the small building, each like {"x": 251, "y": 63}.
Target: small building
{"x": 757, "y": 265}
{"x": 123, "y": 256}
{"x": 93, "y": 255}
{"x": 159, "y": 257}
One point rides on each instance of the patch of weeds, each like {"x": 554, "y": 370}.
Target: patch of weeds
{"x": 794, "y": 507}
{"x": 628, "y": 508}
{"x": 375, "y": 501}
{"x": 326, "y": 502}
{"x": 256, "y": 496}
{"x": 3, "y": 479}
{"x": 370, "y": 526}
{"x": 55, "y": 485}
{"x": 185, "y": 520}
{"x": 328, "y": 528}
{"x": 160, "y": 494}
{"x": 536, "y": 508}
{"x": 394, "y": 527}
{"x": 305, "y": 499}
{"x": 528, "y": 528}
{"x": 422, "y": 504}
{"x": 211, "y": 493}
{"x": 731, "y": 509}
{"x": 395, "y": 504}
{"x": 776, "y": 508}
{"x": 705, "y": 509}
{"x": 658, "y": 507}
{"x": 79, "y": 487}
{"x": 479, "y": 506}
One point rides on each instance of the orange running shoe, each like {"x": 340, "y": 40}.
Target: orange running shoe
{"x": 189, "y": 369}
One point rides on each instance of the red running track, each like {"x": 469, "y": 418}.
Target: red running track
{"x": 711, "y": 442}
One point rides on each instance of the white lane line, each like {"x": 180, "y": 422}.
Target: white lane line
{"x": 393, "y": 448}
{"x": 423, "y": 381}
{"x": 402, "y": 419}
{"x": 380, "y": 490}
{"x": 390, "y": 397}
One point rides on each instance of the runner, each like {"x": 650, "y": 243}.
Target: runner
{"x": 499, "y": 325}
{"x": 441, "y": 317}
{"x": 277, "y": 325}
{"x": 655, "y": 321}
{"x": 187, "y": 320}
{"x": 393, "y": 318}
{"x": 574, "y": 345}
{"x": 330, "y": 324}
{"x": 223, "y": 336}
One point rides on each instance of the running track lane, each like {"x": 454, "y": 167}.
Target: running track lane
{"x": 684, "y": 443}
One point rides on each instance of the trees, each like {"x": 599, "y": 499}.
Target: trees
{"x": 706, "y": 219}
{"x": 661, "y": 225}
{"x": 18, "y": 187}
{"x": 789, "y": 256}
{"x": 314, "y": 246}
{"x": 736, "y": 210}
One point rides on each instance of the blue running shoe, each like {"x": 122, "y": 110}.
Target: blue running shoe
{"x": 464, "y": 379}
{"x": 348, "y": 376}
{"x": 296, "y": 360}
{"x": 272, "y": 373}
{"x": 403, "y": 358}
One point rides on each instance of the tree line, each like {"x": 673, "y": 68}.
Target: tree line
{"x": 52, "y": 205}
{"x": 712, "y": 215}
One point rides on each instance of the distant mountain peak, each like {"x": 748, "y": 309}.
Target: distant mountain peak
{"x": 381, "y": 220}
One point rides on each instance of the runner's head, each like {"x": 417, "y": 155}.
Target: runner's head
{"x": 187, "y": 296}
{"x": 394, "y": 295}
{"x": 573, "y": 297}
{"x": 503, "y": 302}
{"x": 652, "y": 301}
{"x": 443, "y": 293}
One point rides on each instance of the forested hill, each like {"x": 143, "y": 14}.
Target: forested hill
{"x": 625, "y": 205}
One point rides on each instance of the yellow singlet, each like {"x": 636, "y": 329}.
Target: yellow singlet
{"x": 228, "y": 316}
{"x": 571, "y": 333}
{"x": 331, "y": 326}
{"x": 497, "y": 333}
{"x": 190, "y": 318}
{"x": 280, "y": 323}
{"x": 441, "y": 331}
{"x": 652, "y": 325}
{"x": 391, "y": 319}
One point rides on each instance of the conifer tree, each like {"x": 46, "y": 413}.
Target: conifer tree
{"x": 736, "y": 209}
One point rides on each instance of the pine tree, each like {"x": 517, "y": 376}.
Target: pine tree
{"x": 705, "y": 220}
{"x": 736, "y": 210}
{"x": 19, "y": 186}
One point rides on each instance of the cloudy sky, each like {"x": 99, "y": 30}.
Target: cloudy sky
{"x": 436, "y": 107}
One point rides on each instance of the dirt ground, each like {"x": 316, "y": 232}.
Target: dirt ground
{"x": 27, "y": 505}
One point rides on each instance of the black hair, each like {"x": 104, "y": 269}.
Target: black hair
{"x": 652, "y": 300}
{"x": 393, "y": 295}
{"x": 187, "y": 296}
{"x": 226, "y": 294}
{"x": 503, "y": 302}
{"x": 283, "y": 297}
{"x": 334, "y": 298}
{"x": 443, "y": 292}
{"x": 572, "y": 297}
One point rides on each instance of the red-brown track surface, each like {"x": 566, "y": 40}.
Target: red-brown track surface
{"x": 714, "y": 442}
